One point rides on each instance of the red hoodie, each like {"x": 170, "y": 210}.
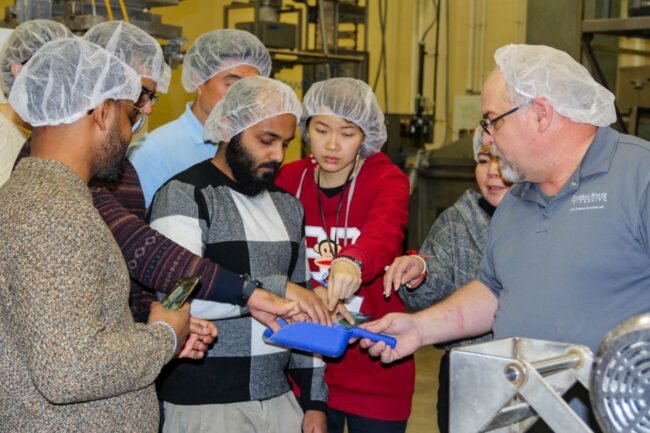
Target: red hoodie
{"x": 372, "y": 231}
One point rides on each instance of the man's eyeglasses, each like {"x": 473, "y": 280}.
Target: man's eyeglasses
{"x": 486, "y": 123}
{"x": 136, "y": 117}
{"x": 146, "y": 97}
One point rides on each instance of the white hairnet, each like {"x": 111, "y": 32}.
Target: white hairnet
{"x": 219, "y": 50}
{"x": 68, "y": 77}
{"x": 23, "y": 43}
{"x": 477, "y": 142}
{"x": 539, "y": 71}
{"x": 135, "y": 47}
{"x": 352, "y": 100}
{"x": 249, "y": 101}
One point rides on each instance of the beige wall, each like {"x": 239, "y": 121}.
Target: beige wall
{"x": 471, "y": 26}
{"x": 502, "y": 21}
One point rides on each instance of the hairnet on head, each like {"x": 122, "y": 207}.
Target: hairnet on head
{"x": 219, "y": 50}
{"x": 536, "y": 71}
{"x": 135, "y": 47}
{"x": 249, "y": 101}
{"x": 477, "y": 142}
{"x": 67, "y": 78}
{"x": 24, "y": 41}
{"x": 352, "y": 100}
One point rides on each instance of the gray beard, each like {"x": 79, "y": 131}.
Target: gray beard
{"x": 509, "y": 172}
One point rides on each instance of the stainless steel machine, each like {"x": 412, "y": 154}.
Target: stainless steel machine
{"x": 620, "y": 381}
{"x": 328, "y": 38}
{"x": 507, "y": 385}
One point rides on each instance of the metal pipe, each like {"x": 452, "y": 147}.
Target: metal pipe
{"x": 620, "y": 50}
{"x": 316, "y": 55}
{"x": 558, "y": 363}
{"x": 591, "y": 56}
{"x": 125, "y": 14}
{"x": 480, "y": 72}
{"x": 469, "y": 86}
{"x": 516, "y": 373}
{"x": 109, "y": 10}
{"x": 436, "y": 55}
{"x": 323, "y": 30}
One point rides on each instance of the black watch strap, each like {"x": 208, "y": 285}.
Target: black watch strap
{"x": 250, "y": 284}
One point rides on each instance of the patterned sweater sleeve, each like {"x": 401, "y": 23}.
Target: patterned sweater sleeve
{"x": 72, "y": 355}
{"x": 176, "y": 213}
{"x": 156, "y": 261}
{"x": 439, "y": 247}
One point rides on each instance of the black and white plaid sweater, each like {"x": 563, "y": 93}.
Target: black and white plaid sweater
{"x": 202, "y": 210}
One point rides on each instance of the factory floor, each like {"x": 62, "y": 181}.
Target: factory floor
{"x": 424, "y": 414}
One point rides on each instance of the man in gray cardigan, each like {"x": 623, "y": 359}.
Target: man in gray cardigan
{"x": 71, "y": 357}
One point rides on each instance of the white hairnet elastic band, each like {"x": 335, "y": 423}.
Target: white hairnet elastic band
{"x": 352, "y": 100}
{"x": 220, "y": 50}
{"x": 536, "y": 71}
{"x": 135, "y": 47}
{"x": 68, "y": 77}
{"x": 248, "y": 102}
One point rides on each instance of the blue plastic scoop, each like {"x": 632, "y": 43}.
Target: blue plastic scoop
{"x": 316, "y": 338}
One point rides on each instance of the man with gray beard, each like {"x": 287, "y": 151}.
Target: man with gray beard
{"x": 568, "y": 254}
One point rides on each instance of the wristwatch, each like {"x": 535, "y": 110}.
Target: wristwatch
{"x": 250, "y": 284}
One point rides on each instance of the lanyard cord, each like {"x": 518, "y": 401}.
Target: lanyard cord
{"x": 340, "y": 205}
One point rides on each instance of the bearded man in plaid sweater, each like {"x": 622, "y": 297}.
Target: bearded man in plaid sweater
{"x": 228, "y": 210}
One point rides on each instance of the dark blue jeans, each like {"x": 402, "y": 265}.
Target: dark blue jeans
{"x": 358, "y": 424}
{"x": 443, "y": 394}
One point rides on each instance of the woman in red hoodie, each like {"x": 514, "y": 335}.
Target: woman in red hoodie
{"x": 356, "y": 209}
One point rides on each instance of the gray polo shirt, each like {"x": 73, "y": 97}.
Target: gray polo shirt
{"x": 571, "y": 269}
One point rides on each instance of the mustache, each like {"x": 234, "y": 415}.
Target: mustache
{"x": 273, "y": 165}
{"x": 494, "y": 151}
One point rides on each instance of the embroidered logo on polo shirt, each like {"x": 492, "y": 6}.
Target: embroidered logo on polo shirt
{"x": 590, "y": 201}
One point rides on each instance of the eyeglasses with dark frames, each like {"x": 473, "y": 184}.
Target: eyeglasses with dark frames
{"x": 146, "y": 97}
{"x": 136, "y": 117}
{"x": 486, "y": 123}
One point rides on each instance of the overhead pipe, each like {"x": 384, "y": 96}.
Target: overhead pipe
{"x": 125, "y": 14}
{"x": 470, "y": 49}
{"x": 109, "y": 10}
{"x": 481, "y": 51}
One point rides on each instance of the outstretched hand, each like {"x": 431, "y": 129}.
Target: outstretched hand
{"x": 267, "y": 308}
{"x": 344, "y": 281}
{"x": 310, "y": 303}
{"x": 404, "y": 270}
{"x": 339, "y": 312}
{"x": 202, "y": 334}
{"x": 403, "y": 327}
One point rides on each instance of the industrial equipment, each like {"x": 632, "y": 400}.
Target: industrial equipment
{"x": 633, "y": 98}
{"x": 638, "y": 7}
{"x": 438, "y": 178}
{"x": 620, "y": 381}
{"x": 329, "y": 38}
{"x": 504, "y": 386}
{"x": 266, "y": 23}
{"x": 80, "y": 15}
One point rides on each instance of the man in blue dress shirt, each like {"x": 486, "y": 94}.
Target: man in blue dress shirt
{"x": 214, "y": 62}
